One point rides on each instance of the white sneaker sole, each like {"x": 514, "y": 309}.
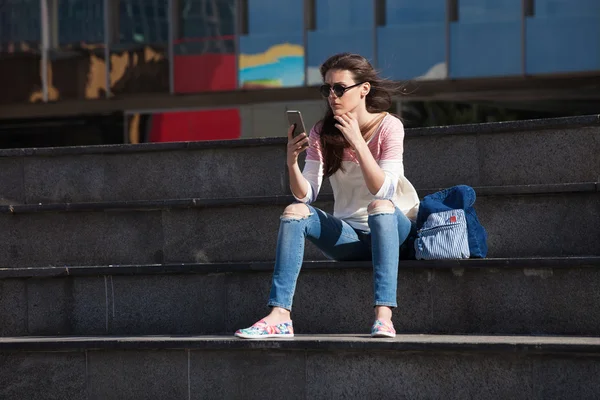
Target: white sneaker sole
{"x": 383, "y": 335}
{"x": 269, "y": 336}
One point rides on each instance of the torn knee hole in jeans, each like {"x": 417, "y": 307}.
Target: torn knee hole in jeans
{"x": 291, "y": 216}
{"x": 382, "y": 210}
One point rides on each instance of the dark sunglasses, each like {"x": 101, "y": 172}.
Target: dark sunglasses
{"x": 338, "y": 89}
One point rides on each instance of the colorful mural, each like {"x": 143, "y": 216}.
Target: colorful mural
{"x": 277, "y": 47}
{"x": 282, "y": 65}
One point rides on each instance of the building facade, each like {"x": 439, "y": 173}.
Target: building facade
{"x": 160, "y": 70}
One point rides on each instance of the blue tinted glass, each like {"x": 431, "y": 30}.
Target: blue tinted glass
{"x": 341, "y": 26}
{"x": 143, "y": 21}
{"x": 80, "y": 27}
{"x": 412, "y": 43}
{"x": 486, "y": 39}
{"x": 489, "y": 10}
{"x": 563, "y": 36}
{"x": 139, "y": 56}
{"x": 20, "y": 54}
{"x": 565, "y": 8}
{"x": 415, "y": 11}
{"x": 20, "y": 21}
{"x": 344, "y": 15}
{"x": 80, "y": 21}
{"x": 271, "y": 16}
{"x": 199, "y": 18}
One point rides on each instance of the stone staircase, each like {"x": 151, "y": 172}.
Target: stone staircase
{"x": 126, "y": 269}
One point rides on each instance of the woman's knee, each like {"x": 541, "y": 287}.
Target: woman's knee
{"x": 381, "y": 207}
{"x": 296, "y": 211}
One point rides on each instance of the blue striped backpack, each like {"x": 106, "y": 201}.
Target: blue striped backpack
{"x": 448, "y": 227}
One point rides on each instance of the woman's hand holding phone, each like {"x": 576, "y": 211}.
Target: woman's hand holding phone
{"x": 295, "y": 146}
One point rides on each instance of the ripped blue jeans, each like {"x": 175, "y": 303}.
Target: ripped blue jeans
{"x": 339, "y": 241}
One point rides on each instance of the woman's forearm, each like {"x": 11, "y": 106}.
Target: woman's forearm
{"x": 372, "y": 172}
{"x": 298, "y": 183}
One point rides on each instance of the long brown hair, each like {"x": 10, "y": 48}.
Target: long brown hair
{"x": 378, "y": 99}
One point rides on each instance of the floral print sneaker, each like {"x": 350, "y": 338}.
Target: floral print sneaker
{"x": 261, "y": 330}
{"x": 382, "y": 328}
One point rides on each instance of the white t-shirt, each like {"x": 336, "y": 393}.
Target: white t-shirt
{"x": 350, "y": 192}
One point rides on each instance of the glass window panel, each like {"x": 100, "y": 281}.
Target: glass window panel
{"x": 566, "y": 8}
{"x": 332, "y": 34}
{"x": 486, "y": 39}
{"x": 204, "y": 46}
{"x": 20, "y": 51}
{"x": 563, "y": 36}
{"x": 272, "y": 53}
{"x": 184, "y": 126}
{"x": 416, "y": 114}
{"x": 81, "y": 130}
{"x": 76, "y": 65}
{"x": 275, "y": 16}
{"x": 340, "y": 15}
{"x": 406, "y": 12}
{"x": 489, "y": 10}
{"x": 412, "y": 43}
{"x": 139, "y": 47}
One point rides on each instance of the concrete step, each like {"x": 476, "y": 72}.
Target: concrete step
{"x": 549, "y": 221}
{"x": 544, "y": 151}
{"x": 313, "y": 367}
{"x": 546, "y": 296}
{"x": 561, "y": 150}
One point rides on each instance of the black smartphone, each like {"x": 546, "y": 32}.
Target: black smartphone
{"x": 294, "y": 117}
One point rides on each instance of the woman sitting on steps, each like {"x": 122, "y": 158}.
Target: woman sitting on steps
{"x": 359, "y": 147}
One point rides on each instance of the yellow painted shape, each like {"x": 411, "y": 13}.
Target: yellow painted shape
{"x": 270, "y": 56}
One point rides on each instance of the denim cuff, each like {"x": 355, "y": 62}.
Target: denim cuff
{"x": 383, "y": 303}
{"x": 275, "y": 304}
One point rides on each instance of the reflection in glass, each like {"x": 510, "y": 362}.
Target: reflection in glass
{"x": 80, "y": 130}
{"x": 139, "y": 47}
{"x": 331, "y": 34}
{"x": 184, "y": 126}
{"x": 272, "y": 51}
{"x": 563, "y": 36}
{"x": 20, "y": 51}
{"x": 76, "y": 68}
{"x": 416, "y": 114}
{"x": 485, "y": 41}
{"x": 204, "y": 46}
{"x": 412, "y": 41}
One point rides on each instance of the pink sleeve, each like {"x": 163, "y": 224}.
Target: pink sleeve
{"x": 314, "y": 152}
{"x": 390, "y": 160}
{"x": 392, "y": 141}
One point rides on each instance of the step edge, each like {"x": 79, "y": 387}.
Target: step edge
{"x": 282, "y": 199}
{"x": 540, "y": 124}
{"x": 533, "y": 263}
{"x": 466, "y": 129}
{"x": 404, "y": 343}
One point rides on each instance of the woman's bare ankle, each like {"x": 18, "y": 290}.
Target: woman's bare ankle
{"x": 384, "y": 313}
{"x": 278, "y": 315}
